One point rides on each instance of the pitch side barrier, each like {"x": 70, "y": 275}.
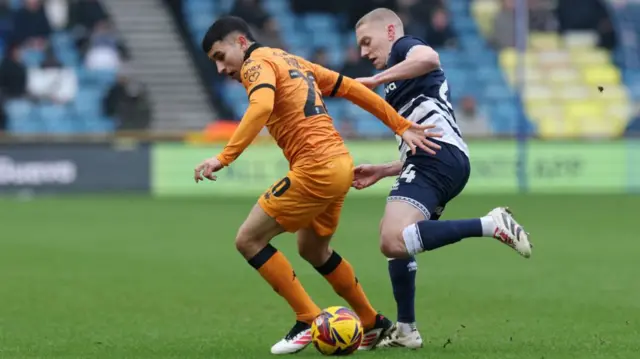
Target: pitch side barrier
{"x": 59, "y": 166}
{"x": 551, "y": 167}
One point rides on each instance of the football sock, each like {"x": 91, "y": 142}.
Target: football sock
{"x": 428, "y": 235}
{"x": 403, "y": 281}
{"x": 339, "y": 273}
{"x": 274, "y": 267}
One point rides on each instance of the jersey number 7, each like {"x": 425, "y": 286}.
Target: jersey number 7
{"x": 310, "y": 108}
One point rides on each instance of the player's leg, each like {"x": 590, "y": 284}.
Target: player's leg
{"x": 434, "y": 181}
{"x": 313, "y": 245}
{"x": 275, "y": 213}
{"x": 402, "y": 273}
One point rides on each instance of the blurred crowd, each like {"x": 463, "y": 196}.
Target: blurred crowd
{"x": 48, "y": 47}
{"x": 555, "y": 15}
{"x": 49, "y": 43}
{"x": 430, "y": 19}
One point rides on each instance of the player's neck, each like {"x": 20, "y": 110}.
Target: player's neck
{"x": 252, "y": 47}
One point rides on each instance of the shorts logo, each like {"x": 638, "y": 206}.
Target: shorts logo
{"x": 396, "y": 184}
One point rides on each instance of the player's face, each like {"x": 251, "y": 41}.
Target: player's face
{"x": 228, "y": 55}
{"x": 375, "y": 42}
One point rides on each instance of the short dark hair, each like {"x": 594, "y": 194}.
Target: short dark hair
{"x": 223, "y": 27}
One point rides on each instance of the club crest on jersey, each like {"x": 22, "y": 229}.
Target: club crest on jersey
{"x": 390, "y": 87}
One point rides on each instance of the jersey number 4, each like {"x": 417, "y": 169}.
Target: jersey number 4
{"x": 310, "y": 107}
{"x": 408, "y": 174}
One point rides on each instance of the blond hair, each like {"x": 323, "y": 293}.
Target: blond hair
{"x": 381, "y": 15}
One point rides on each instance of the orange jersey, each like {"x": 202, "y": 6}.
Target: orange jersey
{"x": 285, "y": 95}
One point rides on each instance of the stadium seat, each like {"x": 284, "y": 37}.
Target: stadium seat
{"x": 56, "y": 119}
{"x": 583, "y": 109}
{"x": 98, "y": 124}
{"x": 22, "y": 118}
{"x": 558, "y": 127}
{"x": 88, "y": 103}
{"x": 32, "y": 57}
{"x": 544, "y": 41}
{"x": 601, "y": 75}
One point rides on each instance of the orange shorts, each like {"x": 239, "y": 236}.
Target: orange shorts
{"x": 311, "y": 195}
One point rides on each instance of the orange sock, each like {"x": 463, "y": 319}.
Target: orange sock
{"x": 343, "y": 280}
{"x": 274, "y": 267}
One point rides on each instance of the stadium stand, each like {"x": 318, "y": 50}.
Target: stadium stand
{"x": 61, "y": 60}
{"x": 480, "y": 91}
{"x": 563, "y": 70}
{"x": 74, "y": 45}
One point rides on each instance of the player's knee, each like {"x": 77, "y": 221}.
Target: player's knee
{"x": 316, "y": 253}
{"x": 391, "y": 244}
{"x": 247, "y": 243}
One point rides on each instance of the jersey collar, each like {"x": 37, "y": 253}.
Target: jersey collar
{"x": 251, "y": 49}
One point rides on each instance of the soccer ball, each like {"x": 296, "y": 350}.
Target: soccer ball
{"x": 337, "y": 331}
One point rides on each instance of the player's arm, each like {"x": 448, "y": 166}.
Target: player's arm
{"x": 259, "y": 80}
{"x": 391, "y": 169}
{"x": 334, "y": 84}
{"x": 420, "y": 60}
{"x": 367, "y": 175}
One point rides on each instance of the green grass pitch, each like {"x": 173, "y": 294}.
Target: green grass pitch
{"x": 134, "y": 277}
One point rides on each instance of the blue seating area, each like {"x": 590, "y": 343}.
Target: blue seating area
{"x": 84, "y": 114}
{"x": 627, "y": 54}
{"x": 472, "y": 69}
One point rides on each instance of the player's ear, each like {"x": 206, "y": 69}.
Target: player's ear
{"x": 243, "y": 42}
{"x": 391, "y": 32}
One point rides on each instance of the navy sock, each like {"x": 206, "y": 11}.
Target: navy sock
{"x": 403, "y": 280}
{"x": 436, "y": 234}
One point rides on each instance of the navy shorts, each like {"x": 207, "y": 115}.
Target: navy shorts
{"x": 429, "y": 182}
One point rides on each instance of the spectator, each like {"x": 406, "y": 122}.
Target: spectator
{"x": 412, "y": 27}
{"x": 104, "y": 49}
{"x": 439, "y": 32}
{"x": 270, "y": 35}
{"x": 13, "y": 74}
{"x": 85, "y": 15}
{"x": 355, "y": 66}
{"x": 356, "y": 9}
{"x": 57, "y": 12}
{"x": 541, "y": 16}
{"x": 321, "y": 57}
{"x": 325, "y": 6}
{"x": 471, "y": 121}
{"x": 252, "y": 12}
{"x": 6, "y": 21}
{"x": 633, "y": 127}
{"x": 52, "y": 82}
{"x": 31, "y": 24}
{"x": 415, "y": 11}
{"x": 504, "y": 26}
{"x": 128, "y": 102}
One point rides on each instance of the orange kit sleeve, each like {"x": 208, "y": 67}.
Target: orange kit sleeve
{"x": 333, "y": 84}
{"x": 259, "y": 78}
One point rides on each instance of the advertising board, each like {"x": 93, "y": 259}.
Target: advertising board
{"x": 64, "y": 167}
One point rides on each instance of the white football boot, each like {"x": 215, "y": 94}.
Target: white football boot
{"x": 509, "y": 232}
{"x": 402, "y": 336}
{"x": 375, "y": 335}
{"x": 297, "y": 339}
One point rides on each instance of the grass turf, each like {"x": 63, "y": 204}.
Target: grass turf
{"x": 133, "y": 277}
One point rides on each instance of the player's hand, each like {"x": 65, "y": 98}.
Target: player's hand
{"x": 366, "y": 175}
{"x": 370, "y": 82}
{"x": 418, "y": 136}
{"x": 206, "y": 169}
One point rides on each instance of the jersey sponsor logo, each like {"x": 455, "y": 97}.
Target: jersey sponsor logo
{"x": 390, "y": 87}
{"x": 253, "y": 73}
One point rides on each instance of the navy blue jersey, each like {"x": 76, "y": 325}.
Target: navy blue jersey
{"x": 423, "y": 99}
